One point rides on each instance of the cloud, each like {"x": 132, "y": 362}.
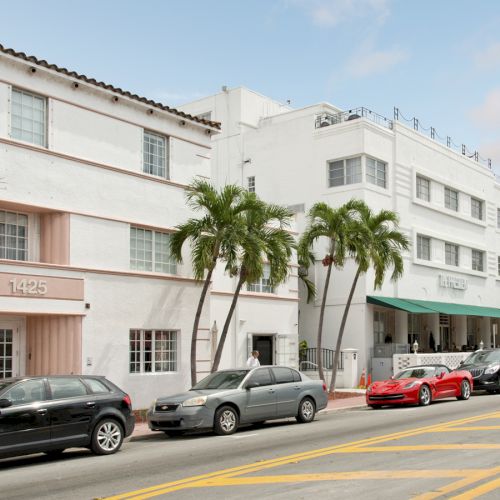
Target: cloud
{"x": 489, "y": 58}
{"x": 369, "y": 61}
{"x": 487, "y": 114}
{"x": 334, "y": 12}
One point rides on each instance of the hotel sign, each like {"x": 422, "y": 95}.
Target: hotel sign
{"x": 42, "y": 287}
{"x": 449, "y": 281}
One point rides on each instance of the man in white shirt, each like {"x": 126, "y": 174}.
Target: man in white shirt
{"x": 253, "y": 360}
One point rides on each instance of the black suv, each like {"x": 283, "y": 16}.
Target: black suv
{"x": 49, "y": 414}
{"x": 484, "y": 367}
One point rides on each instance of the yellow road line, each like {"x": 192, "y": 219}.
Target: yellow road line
{"x": 479, "y": 490}
{"x": 472, "y": 428}
{"x": 467, "y": 481}
{"x": 420, "y": 447}
{"x": 193, "y": 481}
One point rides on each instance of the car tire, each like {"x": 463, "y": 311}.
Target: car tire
{"x": 464, "y": 390}
{"x": 424, "y": 395}
{"x": 375, "y": 407}
{"x": 107, "y": 437}
{"x": 307, "y": 411}
{"x": 226, "y": 421}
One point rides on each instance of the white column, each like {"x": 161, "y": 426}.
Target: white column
{"x": 485, "y": 331}
{"x": 350, "y": 368}
{"x": 460, "y": 325}
{"x": 401, "y": 333}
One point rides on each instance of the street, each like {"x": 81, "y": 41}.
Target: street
{"x": 450, "y": 449}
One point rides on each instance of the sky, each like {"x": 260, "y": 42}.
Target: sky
{"x": 436, "y": 60}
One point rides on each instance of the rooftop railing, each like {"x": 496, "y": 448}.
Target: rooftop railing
{"x": 327, "y": 119}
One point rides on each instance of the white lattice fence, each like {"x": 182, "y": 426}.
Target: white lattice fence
{"x": 449, "y": 359}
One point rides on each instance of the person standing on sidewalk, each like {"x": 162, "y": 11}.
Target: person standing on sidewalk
{"x": 253, "y": 360}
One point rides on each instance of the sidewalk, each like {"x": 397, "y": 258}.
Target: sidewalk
{"x": 349, "y": 399}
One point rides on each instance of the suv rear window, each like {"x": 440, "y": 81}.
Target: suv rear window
{"x": 66, "y": 387}
{"x": 96, "y": 385}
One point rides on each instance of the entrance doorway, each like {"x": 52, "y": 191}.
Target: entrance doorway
{"x": 265, "y": 345}
{"x": 444, "y": 333}
{"x": 9, "y": 351}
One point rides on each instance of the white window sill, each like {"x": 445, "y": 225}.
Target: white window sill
{"x": 452, "y": 269}
{"x": 447, "y": 211}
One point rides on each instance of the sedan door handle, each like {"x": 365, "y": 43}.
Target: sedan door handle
{"x": 272, "y": 390}
{"x": 42, "y": 411}
{"x": 297, "y": 388}
{"x": 90, "y": 404}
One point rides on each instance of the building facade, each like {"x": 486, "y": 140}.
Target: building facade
{"x": 449, "y": 208}
{"x": 93, "y": 182}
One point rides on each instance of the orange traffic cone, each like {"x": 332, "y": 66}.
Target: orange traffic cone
{"x": 369, "y": 381}
{"x": 362, "y": 380}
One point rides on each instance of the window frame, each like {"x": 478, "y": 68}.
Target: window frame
{"x": 152, "y": 168}
{"x": 476, "y": 208}
{"x": 141, "y": 362}
{"x": 477, "y": 264}
{"x": 44, "y": 111}
{"x": 251, "y": 184}
{"x": 448, "y": 199}
{"x": 263, "y": 285}
{"x": 373, "y": 178}
{"x": 420, "y": 247}
{"x": 451, "y": 254}
{"x": 357, "y": 176}
{"x": 419, "y": 191}
{"x": 4, "y": 249}
{"x": 156, "y": 265}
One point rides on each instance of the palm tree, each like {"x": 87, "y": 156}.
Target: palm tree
{"x": 265, "y": 237}
{"x": 333, "y": 224}
{"x": 212, "y": 237}
{"x": 374, "y": 241}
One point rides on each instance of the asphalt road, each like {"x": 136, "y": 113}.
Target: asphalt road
{"x": 450, "y": 449}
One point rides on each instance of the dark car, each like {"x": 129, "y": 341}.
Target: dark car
{"x": 227, "y": 398}
{"x": 50, "y": 414}
{"x": 484, "y": 366}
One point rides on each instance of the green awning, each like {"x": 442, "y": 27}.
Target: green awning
{"x": 430, "y": 307}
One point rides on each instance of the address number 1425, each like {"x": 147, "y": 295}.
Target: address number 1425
{"x": 28, "y": 286}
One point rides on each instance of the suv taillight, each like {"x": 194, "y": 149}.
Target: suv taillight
{"x": 324, "y": 387}
{"x": 127, "y": 401}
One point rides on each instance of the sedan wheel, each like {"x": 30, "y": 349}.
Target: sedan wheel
{"x": 424, "y": 396}
{"x": 464, "y": 390}
{"x": 107, "y": 437}
{"x": 226, "y": 421}
{"x": 307, "y": 410}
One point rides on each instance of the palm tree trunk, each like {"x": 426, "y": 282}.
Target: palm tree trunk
{"x": 341, "y": 331}
{"x": 320, "y": 326}
{"x": 194, "y": 336}
{"x": 225, "y": 329}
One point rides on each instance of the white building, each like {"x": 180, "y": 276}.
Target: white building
{"x": 92, "y": 182}
{"x": 449, "y": 207}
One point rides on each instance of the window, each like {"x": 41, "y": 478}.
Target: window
{"x": 262, "y": 376}
{"x": 380, "y": 328}
{"x": 251, "y": 184}
{"x": 344, "y": 171}
{"x": 376, "y": 172}
{"x": 26, "y": 392}
{"x": 451, "y": 254}
{"x": 414, "y": 329}
{"x": 451, "y": 199}
{"x": 283, "y": 375}
{"x": 155, "y": 155}
{"x": 142, "y": 256}
{"x": 477, "y": 260}
{"x": 476, "y": 208}
{"x": 423, "y": 247}
{"x": 6, "y": 345}
{"x": 28, "y": 117}
{"x": 13, "y": 236}
{"x": 423, "y": 188}
{"x": 96, "y": 386}
{"x": 61, "y": 387}
{"x": 153, "y": 351}
{"x": 263, "y": 285}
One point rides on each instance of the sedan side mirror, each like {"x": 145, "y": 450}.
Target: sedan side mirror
{"x": 251, "y": 385}
{"x": 5, "y": 403}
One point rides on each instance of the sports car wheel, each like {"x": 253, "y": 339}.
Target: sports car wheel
{"x": 226, "y": 421}
{"x": 464, "y": 390}
{"x": 424, "y": 395}
{"x": 375, "y": 407}
{"x": 307, "y": 410}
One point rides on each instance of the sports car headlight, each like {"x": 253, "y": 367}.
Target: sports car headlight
{"x": 369, "y": 388}
{"x": 492, "y": 369}
{"x": 197, "y": 401}
{"x": 409, "y": 385}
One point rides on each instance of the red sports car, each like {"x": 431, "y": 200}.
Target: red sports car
{"x": 420, "y": 385}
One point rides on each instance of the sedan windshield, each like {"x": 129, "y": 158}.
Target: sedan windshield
{"x": 420, "y": 372}
{"x": 222, "y": 380}
{"x": 483, "y": 357}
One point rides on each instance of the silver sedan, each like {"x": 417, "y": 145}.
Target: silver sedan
{"x": 227, "y": 398}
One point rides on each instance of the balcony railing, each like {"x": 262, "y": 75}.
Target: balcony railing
{"x": 309, "y": 359}
{"x": 327, "y": 119}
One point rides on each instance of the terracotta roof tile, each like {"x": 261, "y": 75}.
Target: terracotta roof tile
{"x": 107, "y": 86}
